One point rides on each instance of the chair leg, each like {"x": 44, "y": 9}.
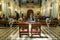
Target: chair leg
{"x": 20, "y": 35}
{"x": 39, "y": 32}
{"x": 31, "y": 35}
{"x": 28, "y": 34}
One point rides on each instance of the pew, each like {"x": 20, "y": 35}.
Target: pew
{"x": 16, "y": 22}
{"x": 43, "y": 22}
{"x": 52, "y": 23}
{"x": 4, "y": 22}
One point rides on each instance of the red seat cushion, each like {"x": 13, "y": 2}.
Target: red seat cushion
{"x": 35, "y": 31}
{"x": 24, "y": 31}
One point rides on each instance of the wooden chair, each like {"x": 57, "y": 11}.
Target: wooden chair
{"x": 36, "y": 29}
{"x": 23, "y": 29}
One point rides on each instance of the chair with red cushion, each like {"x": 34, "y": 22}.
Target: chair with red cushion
{"x": 23, "y": 29}
{"x": 36, "y": 29}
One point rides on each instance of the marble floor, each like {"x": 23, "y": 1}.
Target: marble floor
{"x": 12, "y": 33}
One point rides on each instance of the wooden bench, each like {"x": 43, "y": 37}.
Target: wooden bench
{"x": 52, "y": 23}
{"x": 16, "y": 22}
{"x": 43, "y": 22}
{"x": 4, "y": 22}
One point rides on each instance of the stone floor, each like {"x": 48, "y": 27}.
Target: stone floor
{"x": 12, "y": 33}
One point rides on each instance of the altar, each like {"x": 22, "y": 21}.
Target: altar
{"x": 30, "y": 29}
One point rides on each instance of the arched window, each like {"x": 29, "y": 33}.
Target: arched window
{"x": 35, "y": 2}
{"x": 23, "y": 1}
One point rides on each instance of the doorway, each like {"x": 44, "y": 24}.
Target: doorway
{"x": 29, "y": 12}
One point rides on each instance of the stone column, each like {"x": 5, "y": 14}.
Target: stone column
{"x": 42, "y": 8}
{"x": 53, "y": 8}
{"x": 6, "y": 8}
{"x": 12, "y": 8}
{"x": 47, "y": 9}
